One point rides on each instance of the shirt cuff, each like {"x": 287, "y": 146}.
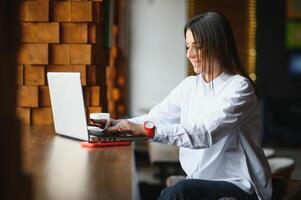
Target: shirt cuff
{"x": 162, "y": 132}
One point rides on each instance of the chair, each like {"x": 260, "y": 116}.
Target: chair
{"x": 269, "y": 152}
{"x": 281, "y": 167}
{"x": 166, "y": 157}
{"x": 283, "y": 189}
{"x": 286, "y": 189}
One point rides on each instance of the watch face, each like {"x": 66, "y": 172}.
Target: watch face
{"x": 149, "y": 125}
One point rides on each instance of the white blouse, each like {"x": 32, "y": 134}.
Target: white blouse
{"x": 217, "y": 130}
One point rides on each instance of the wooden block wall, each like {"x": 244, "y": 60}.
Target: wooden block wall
{"x": 60, "y": 36}
{"x": 237, "y": 13}
{"x": 116, "y": 79}
{"x": 117, "y": 69}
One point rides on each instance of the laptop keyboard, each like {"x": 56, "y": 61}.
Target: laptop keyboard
{"x": 99, "y": 132}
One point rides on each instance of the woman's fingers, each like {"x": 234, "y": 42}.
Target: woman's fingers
{"x": 108, "y": 123}
{"x": 115, "y": 121}
{"x": 122, "y": 126}
{"x": 112, "y": 122}
{"x": 95, "y": 124}
{"x": 98, "y": 122}
{"x": 127, "y": 127}
{"x": 113, "y": 129}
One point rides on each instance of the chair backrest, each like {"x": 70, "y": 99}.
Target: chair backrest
{"x": 286, "y": 189}
{"x": 281, "y": 166}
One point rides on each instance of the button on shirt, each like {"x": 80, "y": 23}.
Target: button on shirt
{"x": 216, "y": 126}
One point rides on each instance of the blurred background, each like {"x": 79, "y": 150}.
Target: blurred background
{"x": 268, "y": 36}
{"x": 131, "y": 53}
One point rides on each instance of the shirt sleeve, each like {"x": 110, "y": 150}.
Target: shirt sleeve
{"x": 234, "y": 109}
{"x": 167, "y": 112}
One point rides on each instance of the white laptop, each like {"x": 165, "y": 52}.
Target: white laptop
{"x": 68, "y": 109}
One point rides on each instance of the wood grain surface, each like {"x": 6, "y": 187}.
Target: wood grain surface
{"x": 62, "y": 169}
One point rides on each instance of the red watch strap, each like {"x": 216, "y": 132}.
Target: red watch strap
{"x": 150, "y": 132}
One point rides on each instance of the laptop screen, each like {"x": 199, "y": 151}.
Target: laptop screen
{"x": 67, "y": 103}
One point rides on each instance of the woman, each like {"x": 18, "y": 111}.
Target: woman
{"x": 213, "y": 117}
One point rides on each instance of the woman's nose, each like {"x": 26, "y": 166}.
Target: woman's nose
{"x": 190, "y": 53}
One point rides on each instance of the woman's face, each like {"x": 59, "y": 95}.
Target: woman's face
{"x": 192, "y": 53}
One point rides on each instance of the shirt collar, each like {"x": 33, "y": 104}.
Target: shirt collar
{"x": 218, "y": 82}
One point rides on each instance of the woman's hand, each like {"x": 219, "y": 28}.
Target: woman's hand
{"x": 102, "y": 123}
{"x": 128, "y": 127}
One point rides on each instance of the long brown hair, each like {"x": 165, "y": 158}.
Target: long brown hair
{"x": 214, "y": 39}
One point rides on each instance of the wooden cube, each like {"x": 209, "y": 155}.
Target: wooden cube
{"x": 80, "y": 54}
{"x": 22, "y": 11}
{"x": 44, "y": 96}
{"x": 74, "y": 32}
{"x": 121, "y": 81}
{"x": 27, "y": 96}
{"x": 40, "y": 32}
{"x": 96, "y": 75}
{"x": 33, "y": 54}
{"x": 60, "y": 54}
{"x": 111, "y": 108}
{"x": 113, "y": 52}
{"x": 94, "y": 109}
{"x": 121, "y": 109}
{"x": 69, "y": 68}
{"x": 116, "y": 94}
{"x": 86, "y": 93}
{"x": 111, "y": 73}
{"x": 37, "y": 11}
{"x": 92, "y": 33}
{"x": 82, "y": 69}
{"x": 100, "y": 55}
{"x": 94, "y": 95}
{"x": 20, "y": 69}
{"x": 98, "y": 13}
{"x": 96, "y": 34}
{"x": 110, "y": 94}
{"x": 41, "y": 116}
{"x": 34, "y": 75}
{"x": 23, "y": 114}
{"x": 91, "y": 75}
{"x": 61, "y": 11}
{"x": 115, "y": 30}
{"x": 112, "y": 61}
{"x": 81, "y": 11}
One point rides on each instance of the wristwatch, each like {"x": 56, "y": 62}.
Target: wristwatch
{"x": 149, "y": 128}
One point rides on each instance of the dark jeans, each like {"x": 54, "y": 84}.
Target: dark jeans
{"x": 203, "y": 189}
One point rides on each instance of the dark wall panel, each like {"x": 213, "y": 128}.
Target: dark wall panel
{"x": 272, "y": 68}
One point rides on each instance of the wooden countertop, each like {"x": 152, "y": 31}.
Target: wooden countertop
{"x": 61, "y": 169}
